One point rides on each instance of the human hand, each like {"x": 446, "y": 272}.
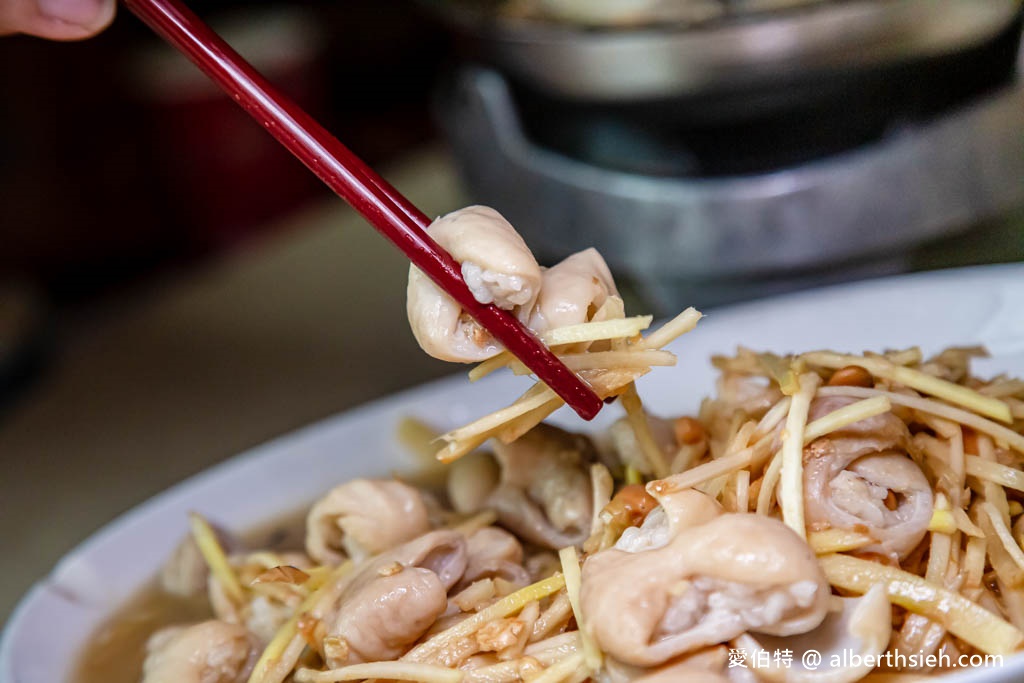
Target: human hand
{"x": 56, "y": 19}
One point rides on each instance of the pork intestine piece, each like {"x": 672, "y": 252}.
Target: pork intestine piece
{"x": 364, "y": 517}
{"x": 388, "y": 613}
{"x": 625, "y": 449}
{"x": 209, "y": 652}
{"x": 715, "y": 577}
{"x": 395, "y": 597}
{"x": 848, "y": 476}
{"x": 856, "y": 634}
{"x": 676, "y": 512}
{"x": 572, "y": 291}
{"x": 539, "y": 486}
{"x": 544, "y": 494}
{"x": 494, "y": 553}
{"x": 497, "y": 266}
{"x": 752, "y": 394}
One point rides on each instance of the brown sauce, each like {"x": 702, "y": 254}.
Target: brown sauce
{"x": 115, "y": 652}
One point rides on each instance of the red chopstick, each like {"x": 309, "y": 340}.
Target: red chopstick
{"x": 387, "y": 210}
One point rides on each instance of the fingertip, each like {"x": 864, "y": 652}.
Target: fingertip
{"x": 71, "y": 19}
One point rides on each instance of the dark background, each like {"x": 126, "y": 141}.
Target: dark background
{"x": 103, "y": 181}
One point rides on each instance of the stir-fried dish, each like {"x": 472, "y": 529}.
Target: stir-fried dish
{"x": 823, "y": 517}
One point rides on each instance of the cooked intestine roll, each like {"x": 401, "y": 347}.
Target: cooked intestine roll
{"x": 851, "y": 639}
{"x": 675, "y": 512}
{"x": 396, "y": 597}
{"x": 495, "y": 553}
{"x": 539, "y": 486}
{"x": 498, "y": 268}
{"x": 544, "y": 494}
{"x": 752, "y": 394}
{"x": 208, "y": 652}
{"x": 693, "y": 576}
{"x": 471, "y": 479}
{"x": 572, "y": 291}
{"x": 626, "y": 449}
{"x": 862, "y": 477}
{"x": 364, "y": 517}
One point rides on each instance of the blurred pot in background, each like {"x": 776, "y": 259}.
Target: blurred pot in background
{"x": 723, "y": 150}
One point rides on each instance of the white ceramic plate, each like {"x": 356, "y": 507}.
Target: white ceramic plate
{"x": 958, "y": 307}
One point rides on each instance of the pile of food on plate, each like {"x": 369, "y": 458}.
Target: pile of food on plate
{"x": 865, "y": 507}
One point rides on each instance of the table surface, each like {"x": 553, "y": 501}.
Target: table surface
{"x": 285, "y": 332}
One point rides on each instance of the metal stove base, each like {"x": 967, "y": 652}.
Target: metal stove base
{"x": 712, "y": 241}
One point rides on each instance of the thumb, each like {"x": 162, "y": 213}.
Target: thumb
{"x": 56, "y": 19}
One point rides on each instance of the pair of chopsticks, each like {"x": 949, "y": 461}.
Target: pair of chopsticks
{"x": 381, "y": 204}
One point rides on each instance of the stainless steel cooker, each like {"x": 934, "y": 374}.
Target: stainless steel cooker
{"x": 750, "y": 152}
